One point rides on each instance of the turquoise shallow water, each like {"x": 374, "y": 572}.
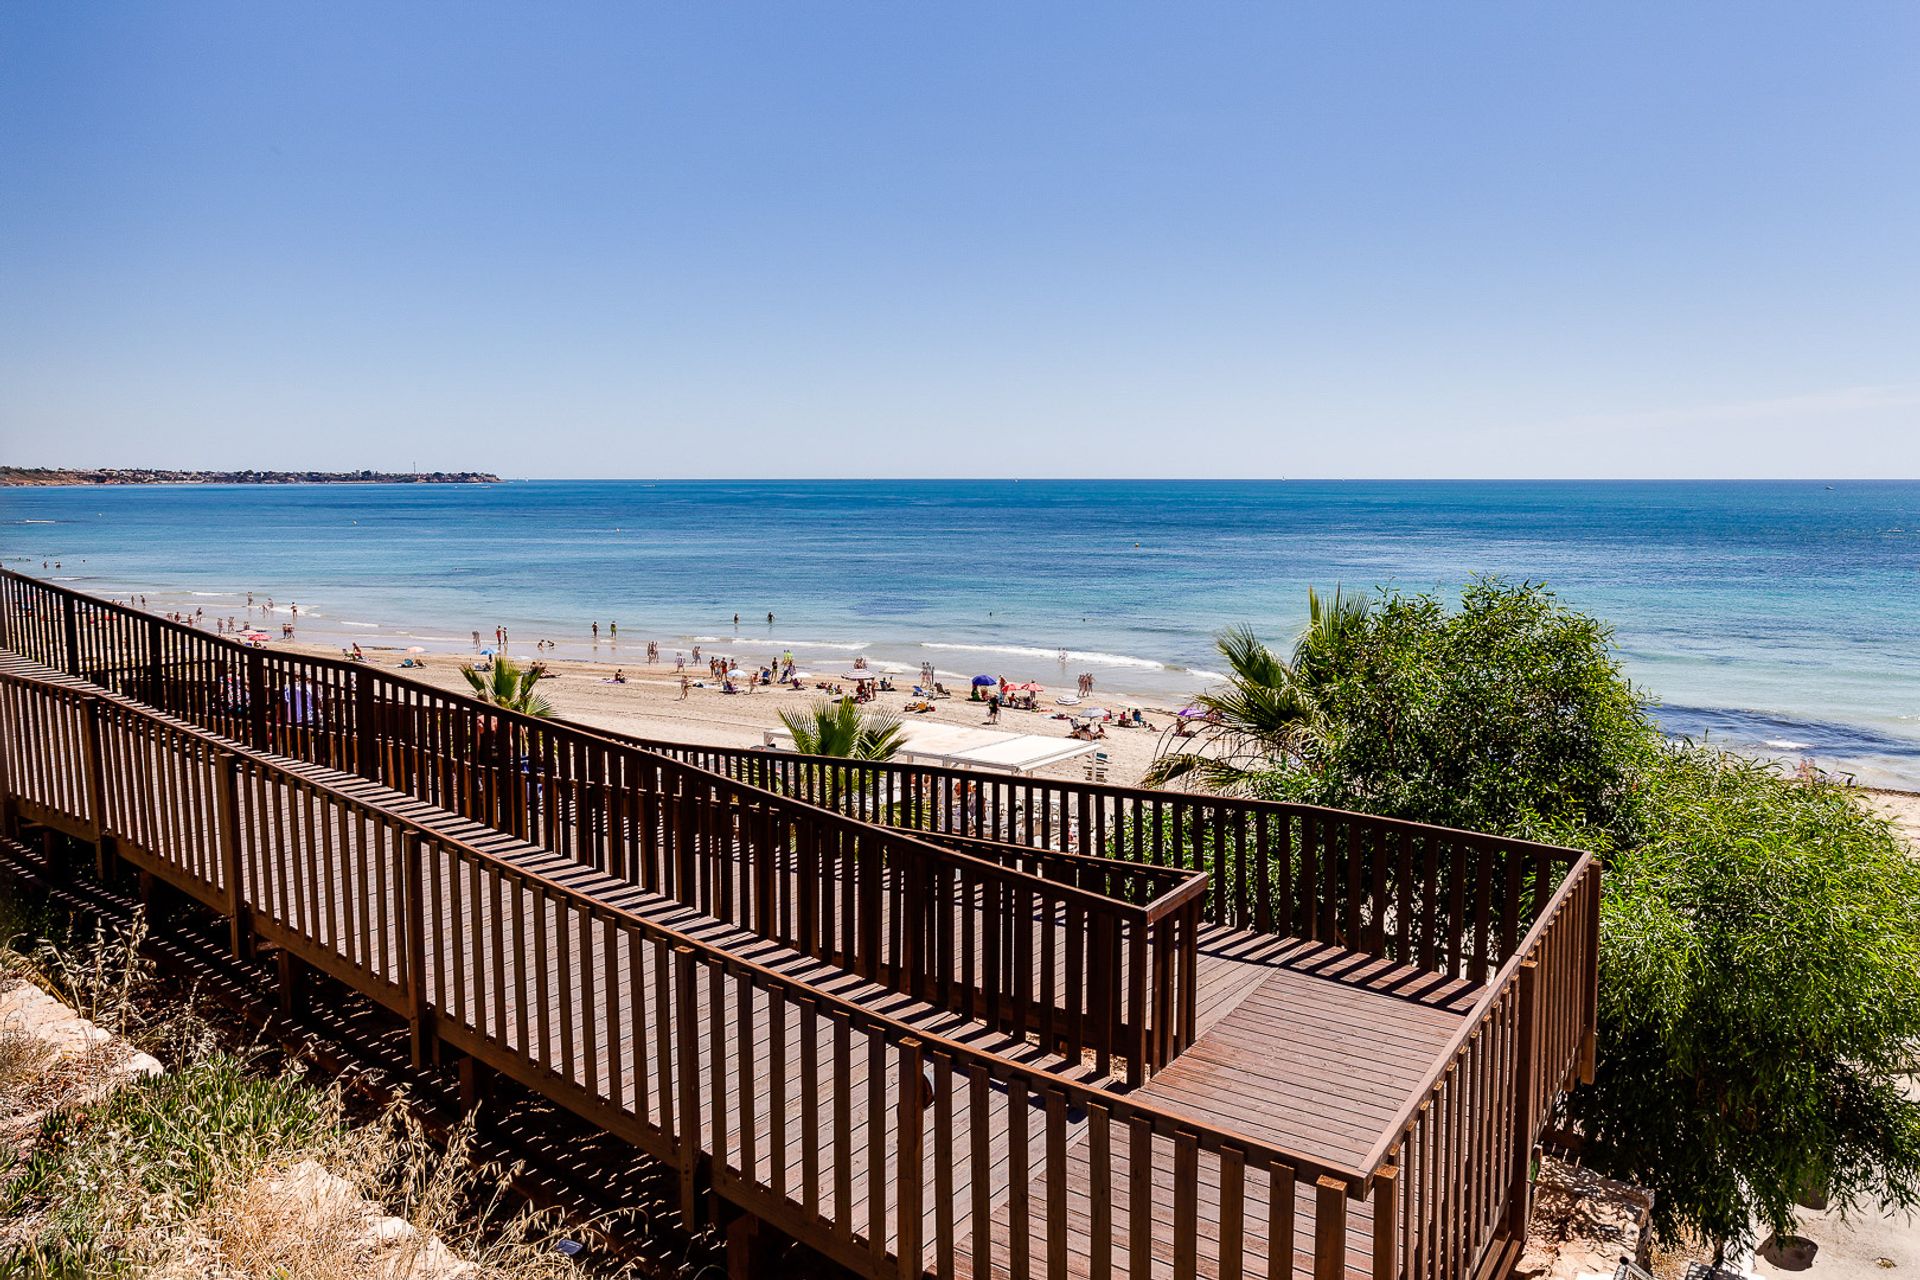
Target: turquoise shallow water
{"x": 1781, "y": 617}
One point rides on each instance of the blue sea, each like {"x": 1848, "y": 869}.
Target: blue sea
{"x": 1776, "y": 617}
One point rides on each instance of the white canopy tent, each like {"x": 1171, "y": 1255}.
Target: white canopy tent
{"x": 964, "y": 747}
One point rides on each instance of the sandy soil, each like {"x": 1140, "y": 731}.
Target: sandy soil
{"x": 1902, "y": 808}
{"x": 649, "y": 705}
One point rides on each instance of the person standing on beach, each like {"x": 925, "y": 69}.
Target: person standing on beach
{"x": 686, "y": 683}
{"x": 736, "y": 622}
{"x": 993, "y": 709}
{"x": 613, "y": 631}
{"x": 769, "y": 617}
{"x": 596, "y": 633}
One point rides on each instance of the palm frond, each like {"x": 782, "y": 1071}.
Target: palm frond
{"x": 1266, "y": 712}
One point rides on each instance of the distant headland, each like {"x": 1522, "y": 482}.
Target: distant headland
{"x": 143, "y": 475}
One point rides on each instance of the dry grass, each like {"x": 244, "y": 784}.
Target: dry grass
{"x": 225, "y": 1167}
{"x": 315, "y": 1221}
{"x": 27, "y": 1078}
{"x": 99, "y": 976}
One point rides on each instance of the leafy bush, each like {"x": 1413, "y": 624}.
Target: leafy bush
{"x": 1508, "y": 714}
{"x": 1759, "y": 999}
{"x": 1760, "y": 960}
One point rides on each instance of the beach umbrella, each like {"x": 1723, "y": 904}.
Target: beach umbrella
{"x": 1092, "y": 713}
{"x": 414, "y": 648}
{"x": 254, "y": 635}
{"x": 981, "y": 682}
{"x": 1191, "y": 713}
{"x": 486, "y": 653}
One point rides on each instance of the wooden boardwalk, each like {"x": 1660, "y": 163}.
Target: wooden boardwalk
{"x": 1314, "y": 1109}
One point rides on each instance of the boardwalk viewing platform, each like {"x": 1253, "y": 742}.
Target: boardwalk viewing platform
{"x": 922, "y": 1020}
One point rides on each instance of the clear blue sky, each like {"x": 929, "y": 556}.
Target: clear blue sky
{"x": 915, "y": 239}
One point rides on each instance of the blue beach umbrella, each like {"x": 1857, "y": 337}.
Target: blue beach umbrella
{"x": 982, "y": 681}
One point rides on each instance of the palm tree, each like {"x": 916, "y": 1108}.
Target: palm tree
{"x": 1267, "y": 710}
{"x": 509, "y": 686}
{"x": 830, "y": 728}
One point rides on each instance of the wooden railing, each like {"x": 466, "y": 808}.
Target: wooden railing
{"x": 1518, "y": 920}
{"x": 1034, "y": 945}
{"x": 1443, "y": 900}
{"x": 1463, "y": 1145}
{"x": 885, "y": 1154}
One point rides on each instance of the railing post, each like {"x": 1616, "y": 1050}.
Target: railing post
{"x": 155, "y": 695}
{"x": 9, "y": 809}
{"x": 1329, "y": 1229}
{"x": 909, "y": 1149}
{"x": 227, "y": 796}
{"x": 506, "y": 770}
{"x": 1386, "y": 1224}
{"x": 912, "y": 909}
{"x": 69, "y": 612}
{"x": 1139, "y": 969}
{"x": 96, "y": 782}
{"x": 366, "y": 737}
{"x": 419, "y": 1015}
{"x": 257, "y": 699}
{"x": 871, "y": 873}
{"x": 687, "y": 1066}
{"x": 1589, "y": 1038}
{"x": 685, "y": 869}
{"x": 1525, "y": 1084}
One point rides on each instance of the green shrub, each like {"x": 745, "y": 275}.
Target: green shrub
{"x": 1759, "y": 999}
{"x": 1760, "y": 960}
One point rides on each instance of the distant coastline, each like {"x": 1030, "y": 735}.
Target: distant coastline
{"x": 44, "y": 476}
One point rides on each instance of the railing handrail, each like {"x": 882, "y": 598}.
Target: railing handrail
{"x": 1210, "y": 1136}
{"x": 1184, "y": 883}
{"x": 1250, "y": 804}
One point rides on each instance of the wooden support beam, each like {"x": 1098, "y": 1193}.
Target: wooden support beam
{"x": 476, "y": 1083}
{"x": 290, "y": 980}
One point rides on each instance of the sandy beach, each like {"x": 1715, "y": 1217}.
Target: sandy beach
{"x": 1901, "y": 808}
{"x": 649, "y": 705}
